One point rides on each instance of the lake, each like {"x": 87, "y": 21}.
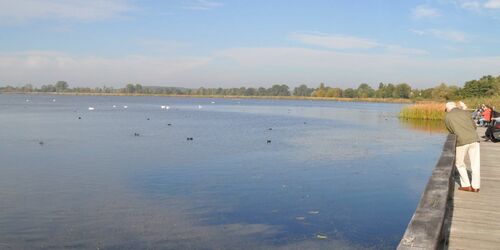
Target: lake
{"x": 258, "y": 174}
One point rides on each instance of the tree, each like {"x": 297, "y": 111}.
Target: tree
{"x": 334, "y": 92}
{"x": 250, "y": 92}
{"x": 302, "y": 90}
{"x": 48, "y": 88}
{"x": 201, "y": 91}
{"x": 402, "y": 90}
{"x": 320, "y": 91}
{"x": 349, "y": 93}
{"x": 443, "y": 92}
{"x": 485, "y": 86}
{"x": 261, "y": 91}
{"x": 27, "y": 88}
{"x": 130, "y": 88}
{"x": 389, "y": 90}
{"x": 138, "y": 88}
{"x": 279, "y": 90}
{"x": 380, "y": 90}
{"x": 61, "y": 86}
{"x": 364, "y": 90}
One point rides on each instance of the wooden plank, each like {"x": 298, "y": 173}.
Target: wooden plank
{"x": 475, "y": 217}
{"x": 468, "y": 244}
{"x": 473, "y": 212}
{"x": 482, "y": 235}
{"x": 472, "y": 219}
{"x": 482, "y": 205}
{"x": 469, "y": 227}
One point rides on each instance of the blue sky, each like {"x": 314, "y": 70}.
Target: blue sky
{"x": 223, "y": 43}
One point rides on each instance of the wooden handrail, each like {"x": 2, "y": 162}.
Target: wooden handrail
{"x": 426, "y": 227}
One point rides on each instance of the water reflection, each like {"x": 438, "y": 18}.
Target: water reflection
{"x": 349, "y": 172}
{"x": 429, "y": 126}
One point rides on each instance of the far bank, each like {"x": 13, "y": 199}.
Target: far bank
{"x": 378, "y": 100}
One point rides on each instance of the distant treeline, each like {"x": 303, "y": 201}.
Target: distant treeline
{"x": 484, "y": 87}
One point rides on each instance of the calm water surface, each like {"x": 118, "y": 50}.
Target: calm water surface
{"x": 347, "y": 172}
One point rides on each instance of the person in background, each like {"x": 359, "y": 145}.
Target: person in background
{"x": 486, "y": 116}
{"x": 460, "y": 123}
{"x": 495, "y": 120}
{"x": 476, "y": 114}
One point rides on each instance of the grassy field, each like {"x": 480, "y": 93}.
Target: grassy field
{"x": 435, "y": 110}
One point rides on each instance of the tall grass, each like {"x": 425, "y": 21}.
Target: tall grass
{"x": 423, "y": 110}
{"x": 474, "y": 102}
{"x": 435, "y": 110}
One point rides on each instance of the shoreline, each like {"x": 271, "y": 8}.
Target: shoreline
{"x": 373, "y": 100}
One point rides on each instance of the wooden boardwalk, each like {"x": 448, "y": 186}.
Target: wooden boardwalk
{"x": 475, "y": 217}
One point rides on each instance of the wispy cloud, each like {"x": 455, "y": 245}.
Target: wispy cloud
{"x": 242, "y": 66}
{"x": 48, "y": 66}
{"x": 203, "y": 5}
{"x": 492, "y": 4}
{"x": 348, "y": 69}
{"x": 342, "y": 42}
{"x": 418, "y": 32}
{"x": 449, "y": 35}
{"x": 423, "y": 11}
{"x": 470, "y": 5}
{"x": 396, "y": 49}
{"x": 475, "y": 5}
{"x": 20, "y": 11}
{"x": 160, "y": 45}
{"x": 334, "y": 41}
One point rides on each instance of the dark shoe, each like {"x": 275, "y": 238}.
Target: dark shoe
{"x": 468, "y": 189}
{"x": 475, "y": 190}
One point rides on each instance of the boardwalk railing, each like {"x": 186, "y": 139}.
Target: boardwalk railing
{"x": 426, "y": 228}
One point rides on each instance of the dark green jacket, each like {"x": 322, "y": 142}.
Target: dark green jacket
{"x": 460, "y": 123}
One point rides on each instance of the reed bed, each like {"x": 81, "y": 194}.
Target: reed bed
{"x": 424, "y": 111}
{"x": 431, "y": 110}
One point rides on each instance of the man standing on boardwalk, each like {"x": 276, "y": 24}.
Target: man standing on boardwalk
{"x": 460, "y": 123}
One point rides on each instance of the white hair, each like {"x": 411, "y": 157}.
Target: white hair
{"x": 462, "y": 105}
{"x": 450, "y": 106}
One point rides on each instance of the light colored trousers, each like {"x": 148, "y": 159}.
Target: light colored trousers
{"x": 475, "y": 164}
